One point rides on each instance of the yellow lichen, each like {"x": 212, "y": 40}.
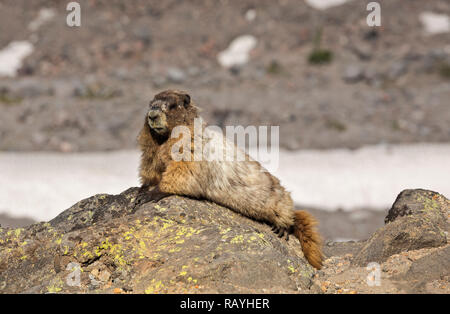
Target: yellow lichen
{"x": 237, "y": 239}
{"x": 291, "y": 268}
{"x": 154, "y": 287}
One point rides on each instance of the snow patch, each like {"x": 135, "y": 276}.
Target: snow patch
{"x": 41, "y": 185}
{"x": 435, "y": 23}
{"x": 325, "y": 4}
{"x": 237, "y": 53}
{"x": 11, "y": 57}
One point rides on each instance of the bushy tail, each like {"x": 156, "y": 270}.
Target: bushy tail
{"x": 305, "y": 231}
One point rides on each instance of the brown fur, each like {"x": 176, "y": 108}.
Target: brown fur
{"x": 305, "y": 231}
{"x": 243, "y": 186}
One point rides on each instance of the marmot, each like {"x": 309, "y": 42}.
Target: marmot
{"x": 243, "y": 186}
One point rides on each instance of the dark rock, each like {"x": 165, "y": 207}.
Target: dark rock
{"x": 372, "y": 34}
{"x": 415, "y": 221}
{"x": 416, "y": 202}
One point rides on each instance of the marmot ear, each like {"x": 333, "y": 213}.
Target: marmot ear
{"x": 186, "y": 99}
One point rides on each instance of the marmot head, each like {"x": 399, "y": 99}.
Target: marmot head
{"x": 169, "y": 109}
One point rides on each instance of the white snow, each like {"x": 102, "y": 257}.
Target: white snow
{"x": 11, "y": 57}
{"x": 325, "y": 4}
{"x": 370, "y": 177}
{"x": 434, "y": 23}
{"x": 238, "y": 51}
{"x": 41, "y": 185}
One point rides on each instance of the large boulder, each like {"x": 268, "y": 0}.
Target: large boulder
{"x": 104, "y": 244}
{"x": 418, "y": 219}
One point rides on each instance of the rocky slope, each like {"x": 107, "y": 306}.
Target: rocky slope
{"x": 104, "y": 245}
{"x": 86, "y": 88}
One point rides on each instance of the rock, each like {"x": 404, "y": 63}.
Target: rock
{"x": 30, "y": 87}
{"x": 417, "y": 219}
{"x": 143, "y": 33}
{"x": 363, "y": 51}
{"x": 430, "y": 267}
{"x": 353, "y": 74}
{"x": 417, "y": 202}
{"x": 176, "y": 75}
{"x": 103, "y": 244}
{"x": 398, "y": 69}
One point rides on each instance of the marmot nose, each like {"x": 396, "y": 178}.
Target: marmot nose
{"x": 153, "y": 114}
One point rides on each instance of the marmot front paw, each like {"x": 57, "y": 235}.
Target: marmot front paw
{"x": 146, "y": 196}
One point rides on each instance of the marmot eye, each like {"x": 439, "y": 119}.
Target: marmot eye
{"x": 172, "y": 106}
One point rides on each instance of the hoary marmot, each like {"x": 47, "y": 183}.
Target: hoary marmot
{"x": 243, "y": 186}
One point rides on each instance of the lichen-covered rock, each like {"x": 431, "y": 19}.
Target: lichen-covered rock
{"x": 102, "y": 244}
{"x": 420, "y": 201}
{"x": 418, "y": 219}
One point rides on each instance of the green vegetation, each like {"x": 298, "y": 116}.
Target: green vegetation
{"x": 8, "y": 99}
{"x": 444, "y": 70}
{"x": 319, "y": 55}
{"x": 274, "y": 68}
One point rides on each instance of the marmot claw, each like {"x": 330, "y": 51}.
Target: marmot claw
{"x": 281, "y": 232}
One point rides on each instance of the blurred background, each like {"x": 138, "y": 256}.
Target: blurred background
{"x": 364, "y": 112}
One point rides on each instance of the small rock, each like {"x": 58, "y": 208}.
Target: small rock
{"x": 353, "y": 74}
{"x": 176, "y": 75}
{"x": 143, "y": 33}
{"x": 250, "y": 15}
{"x": 104, "y": 275}
{"x": 363, "y": 51}
{"x": 398, "y": 69}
